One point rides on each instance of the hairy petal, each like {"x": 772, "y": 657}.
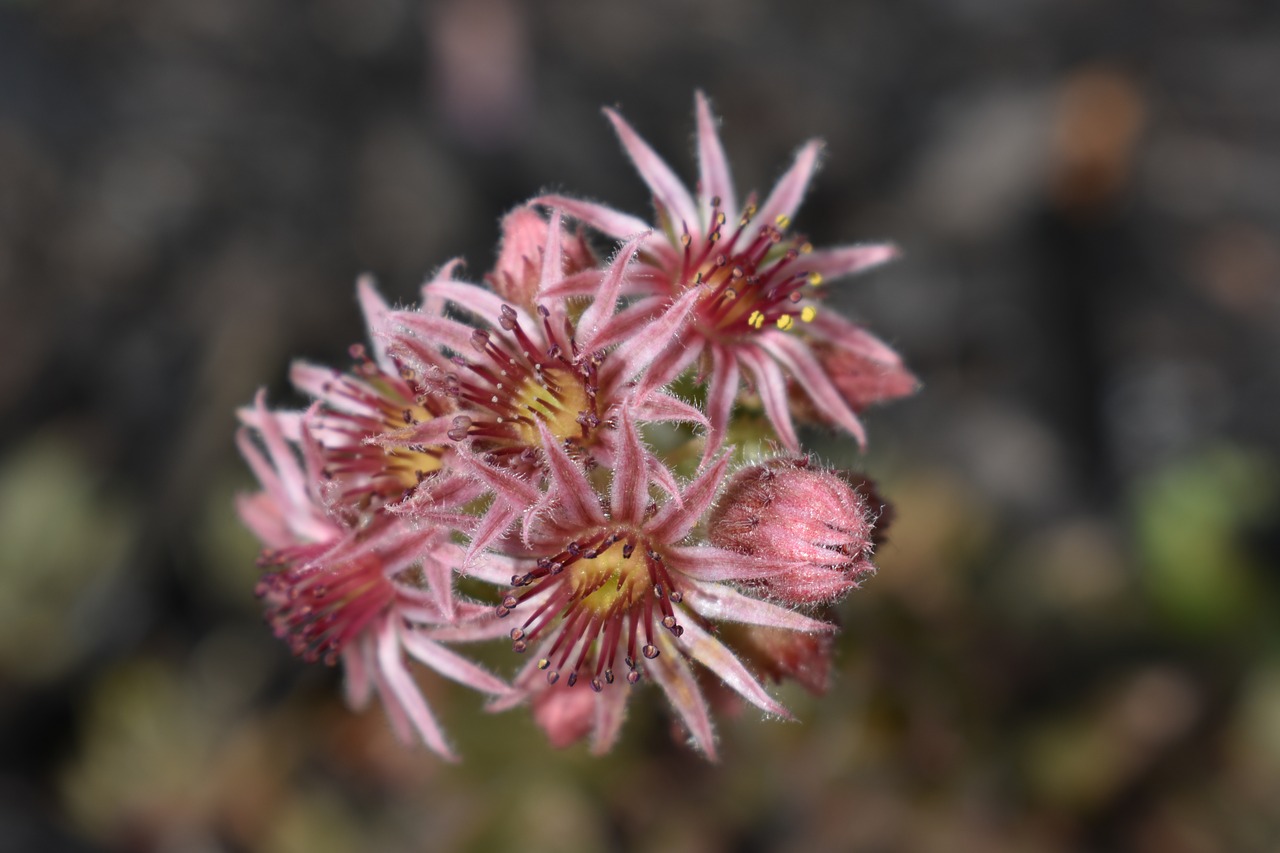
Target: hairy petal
{"x": 482, "y": 302}
{"x": 715, "y": 656}
{"x": 611, "y": 708}
{"x": 676, "y": 679}
{"x": 629, "y": 492}
{"x": 720, "y": 603}
{"x": 570, "y": 485}
{"x": 633, "y": 355}
{"x": 841, "y": 261}
{"x": 661, "y": 406}
{"x": 799, "y": 359}
{"x": 612, "y": 222}
{"x": 790, "y": 189}
{"x": 402, "y": 699}
{"x": 432, "y": 330}
{"x": 450, "y": 664}
{"x": 772, "y": 387}
{"x": 713, "y": 166}
{"x": 721, "y": 392}
{"x": 594, "y": 320}
{"x": 674, "y": 521}
{"x": 375, "y": 311}
{"x": 667, "y": 189}
{"x": 709, "y": 563}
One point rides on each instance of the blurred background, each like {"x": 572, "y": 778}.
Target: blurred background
{"x": 1073, "y": 641}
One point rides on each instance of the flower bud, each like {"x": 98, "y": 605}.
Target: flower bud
{"x": 565, "y": 715}
{"x": 815, "y": 527}
{"x": 518, "y": 271}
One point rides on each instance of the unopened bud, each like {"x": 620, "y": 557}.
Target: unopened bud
{"x": 810, "y": 523}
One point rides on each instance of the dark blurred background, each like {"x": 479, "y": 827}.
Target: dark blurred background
{"x": 1073, "y": 641}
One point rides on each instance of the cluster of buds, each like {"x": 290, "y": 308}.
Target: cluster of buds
{"x": 507, "y": 432}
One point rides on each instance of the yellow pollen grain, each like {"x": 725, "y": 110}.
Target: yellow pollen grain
{"x": 806, "y": 248}
{"x": 783, "y": 220}
{"x": 785, "y": 322}
{"x": 815, "y": 278}
{"x": 807, "y": 313}
{"x": 756, "y": 320}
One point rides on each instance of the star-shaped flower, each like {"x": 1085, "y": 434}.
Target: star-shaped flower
{"x": 759, "y": 310}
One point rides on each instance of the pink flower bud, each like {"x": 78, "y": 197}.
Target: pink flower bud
{"x": 518, "y": 272}
{"x": 812, "y": 524}
{"x": 566, "y": 716}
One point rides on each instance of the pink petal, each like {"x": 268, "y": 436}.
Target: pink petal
{"x": 713, "y": 166}
{"x": 611, "y": 710}
{"x": 771, "y": 385}
{"x": 375, "y": 311}
{"x": 629, "y": 491}
{"x": 840, "y": 261}
{"x": 713, "y": 654}
{"x": 552, "y": 254}
{"x": 721, "y": 392}
{"x": 667, "y": 365}
{"x": 853, "y": 338}
{"x": 581, "y": 283}
{"x": 510, "y": 488}
{"x": 317, "y": 382}
{"x": 677, "y": 681}
{"x": 627, "y": 322}
{"x": 577, "y": 499}
{"x": 432, "y": 432}
{"x": 602, "y": 308}
{"x": 433, "y": 304}
{"x": 661, "y": 406}
{"x": 640, "y": 352}
{"x": 495, "y": 522}
{"x": 402, "y": 699}
{"x": 798, "y": 358}
{"x": 481, "y": 302}
{"x": 661, "y": 474}
{"x": 668, "y": 190}
{"x": 357, "y": 681}
{"x": 450, "y": 664}
{"x": 709, "y": 563}
{"x": 720, "y": 603}
{"x": 608, "y": 221}
{"x": 291, "y": 479}
{"x": 674, "y": 521}
{"x": 789, "y": 191}
{"x": 431, "y": 331}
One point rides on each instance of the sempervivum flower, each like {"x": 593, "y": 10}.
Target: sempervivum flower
{"x": 516, "y": 382}
{"x": 360, "y": 417}
{"x": 614, "y": 594}
{"x": 812, "y": 524}
{"x": 758, "y": 312}
{"x": 361, "y": 588}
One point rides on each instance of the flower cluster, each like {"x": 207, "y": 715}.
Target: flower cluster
{"x": 608, "y": 446}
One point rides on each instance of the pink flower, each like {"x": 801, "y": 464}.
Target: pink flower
{"x": 353, "y": 586}
{"x": 613, "y": 594}
{"x": 810, "y": 523}
{"x": 520, "y": 381}
{"x": 362, "y": 417}
{"x": 758, "y": 312}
